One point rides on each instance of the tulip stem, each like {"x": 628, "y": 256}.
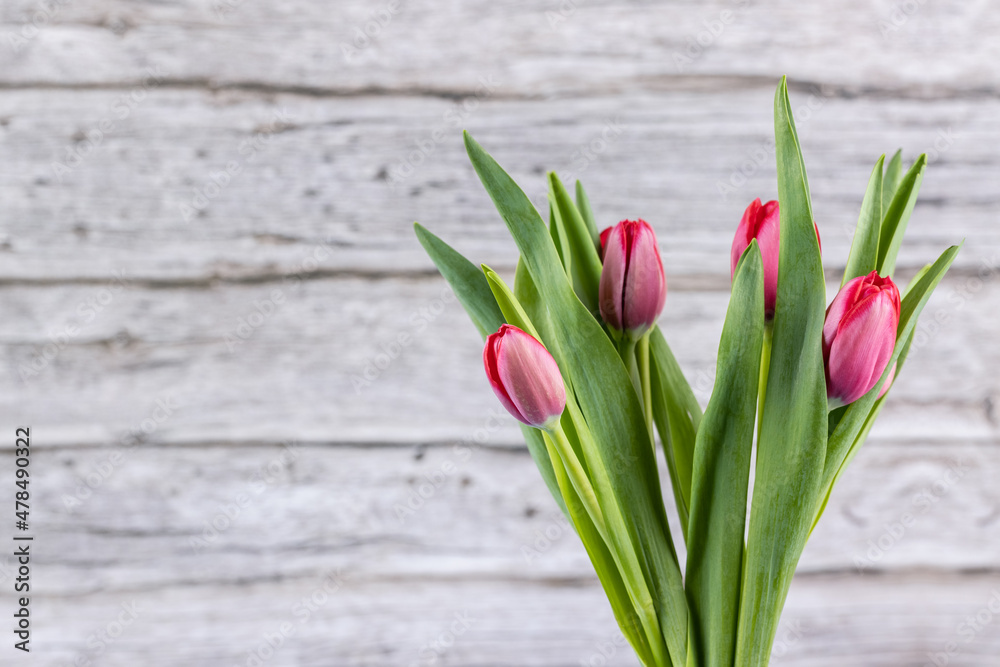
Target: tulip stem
{"x": 646, "y": 393}
{"x": 765, "y": 364}
{"x": 559, "y": 444}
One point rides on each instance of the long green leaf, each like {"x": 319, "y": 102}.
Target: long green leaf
{"x": 466, "y": 279}
{"x": 722, "y": 472}
{"x": 609, "y": 405}
{"x": 893, "y": 175}
{"x": 604, "y": 565}
{"x": 864, "y": 249}
{"x": 792, "y": 440}
{"x": 585, "y": 268}
{"x": 897, "y": 216}
{"x": 676, "y": 414}
{"x": 583, "y": 204}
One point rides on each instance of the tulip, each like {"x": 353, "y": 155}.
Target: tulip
{"x": 524, "y": 376}
{"x": 859, "y": 336}
{"x": 761, "y": 222}
{"x": 633, "y": 286}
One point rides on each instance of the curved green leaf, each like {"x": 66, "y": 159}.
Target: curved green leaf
{"x": 864, "y": 248}
{"x": 722, "y": 472}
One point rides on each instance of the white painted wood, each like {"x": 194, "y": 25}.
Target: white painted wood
{"x": 538, "y": 85}
{"x": 486, "y": 542}
{"x": 317, "y": 180}
{"x": 538, "y": 49}
{"x": 327, "y": 364}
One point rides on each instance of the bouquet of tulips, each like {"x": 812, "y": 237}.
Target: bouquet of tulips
{"x": 573, "y": 352}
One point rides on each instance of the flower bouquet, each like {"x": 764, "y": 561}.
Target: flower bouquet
{"x": 573, "y": 352}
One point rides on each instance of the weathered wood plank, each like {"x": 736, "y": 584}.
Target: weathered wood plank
{"x": 120, "y": 519}
{"x": 546, "y": 48}
{"x": 478, "y": 545}
{"x": 828, "y": 622}
{"x": 311, "y": 185}
{"x": 377, "y": 360}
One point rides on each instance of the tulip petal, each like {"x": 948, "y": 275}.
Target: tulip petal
{"x": 645, "y": 283}
{"x": 490, "y": 356}
{"x": 613, "y": 278}
{"x": 530, "y": 376}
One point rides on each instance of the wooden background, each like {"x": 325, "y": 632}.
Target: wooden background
{"x": 207, "y": 252}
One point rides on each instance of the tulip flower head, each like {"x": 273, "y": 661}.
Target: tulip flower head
{"x": 633, "y": 286}
{"x": 760, "y": 221}
{"x": 524, "y": 376}
{"x": 859, "y": 336}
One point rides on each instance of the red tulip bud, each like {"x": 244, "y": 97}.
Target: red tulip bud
{"x": 524, "y": 376}
{"x": 633, "y": 286}
{"x": 859, "y": 336}
{"x": 761, "y": 222}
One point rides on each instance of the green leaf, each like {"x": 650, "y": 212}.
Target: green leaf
{"x": 722, "y": 472}
{"x": 848, "y": 436}
{"x": 466, "y": 279}
{"x": 585, "y": 268}
{"x": 792, "y": 440}
{"x": 897, "y": 216}
{"x": 611, "y": 410}
{"x": 893, "y": 175}
{"x": 583, "y": 204}
{"x": 864, "y": 249}
{"x": 604, "y": 565}
{"x": 676, "y": 414}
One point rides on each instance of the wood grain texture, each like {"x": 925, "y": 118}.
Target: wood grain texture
{"x": 207, "y": 249}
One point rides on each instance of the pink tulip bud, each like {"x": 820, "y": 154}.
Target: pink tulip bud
{"x": 859, "y": 336}
{"x": 633, "y": 286}
{"x": 524, "y": 376}
{"x": 761, "y": 222}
